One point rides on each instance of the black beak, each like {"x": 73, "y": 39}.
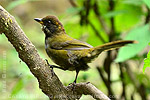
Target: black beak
{"x": 39, "y": 20}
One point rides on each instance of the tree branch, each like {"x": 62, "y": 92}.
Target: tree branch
{"x": 89, "y": 89}
{"x": 48, "y": 82}
{"x": 51, "y": 86}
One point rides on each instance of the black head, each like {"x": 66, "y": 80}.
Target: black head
{"x": 50, "y": 25}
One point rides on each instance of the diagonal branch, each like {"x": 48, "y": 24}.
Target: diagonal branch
{"x": 48, "y": 81}
{"x": 27, "y": 52}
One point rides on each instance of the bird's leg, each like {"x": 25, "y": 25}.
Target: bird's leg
{"x": 74, "y": 82}
{"x": 54, "y": 66}
{"x": 51, "y": 66}
{"x": 77, "y": 72}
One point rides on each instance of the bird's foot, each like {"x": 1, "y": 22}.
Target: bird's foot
{"x": 72, "y": 85}
{"x": 87, "y": 82}
{"x": 51, "y": 66}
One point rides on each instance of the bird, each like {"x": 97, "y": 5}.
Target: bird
{"x": 69, "y": 53}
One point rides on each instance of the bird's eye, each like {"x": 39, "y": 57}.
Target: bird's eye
{"x": 49, "y": 21}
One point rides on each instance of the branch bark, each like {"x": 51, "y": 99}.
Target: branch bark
{"x": 49, "y": 83}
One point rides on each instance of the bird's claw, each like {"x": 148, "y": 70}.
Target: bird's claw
{"x": 51, "y": 66}
{"x": 72, "y": 85}
{"x": 87, "y": 82}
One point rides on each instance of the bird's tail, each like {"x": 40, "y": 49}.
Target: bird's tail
{"x": 113, "y": 45}
{"x": 108, "y": 46}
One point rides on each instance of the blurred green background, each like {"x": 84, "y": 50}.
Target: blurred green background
{"x": 118, "y": 73}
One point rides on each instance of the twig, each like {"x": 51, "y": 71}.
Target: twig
{"x": 96, "y": 32}
{"x": 109, "y": 59}
{"x": 101, "y": 74}
{"x": 87, "y": 21}
{"x": 140, "y": 87}
{"x": 73, "y": 3}
{"x": 112, "y": 31}
{"x": 48, "y": 81}
{"x": 105, "y": 82}
{"x": 148, "y": 16}
{"x": 101, "y": 20}
{"x": 123, "y": 83}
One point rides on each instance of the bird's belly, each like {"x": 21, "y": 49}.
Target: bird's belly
{"x": 61, "y": 58}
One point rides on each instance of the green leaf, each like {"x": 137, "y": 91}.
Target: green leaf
{"x": 147, "y": 2}
{"x": 15, "y": 3}
{"x": 19, "y": 85}
{"x": 22, "y": 82}
{"x": 140, "y": 34}
{"x": 114, "y": 13}
{"x": 129, "y": 16}
{"x": 146, "y": 62}
{"x": 133, "y": 2}
{"x": 74, "y": 10}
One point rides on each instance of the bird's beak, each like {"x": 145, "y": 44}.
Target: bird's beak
{"x": 39, "y": 20}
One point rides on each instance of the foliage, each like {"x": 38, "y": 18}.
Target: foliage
{"x": 141, "y": 35}
{"x": 15, "y": 3}
{"x": 146, "y": 62}
{"x": 147, "y": 2}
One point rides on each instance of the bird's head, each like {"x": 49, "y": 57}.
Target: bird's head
{"x": 50, "y": 25}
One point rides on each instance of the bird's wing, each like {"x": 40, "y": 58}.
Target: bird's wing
{"x": 70, "y": 45}
{"x": 75, "y": 50}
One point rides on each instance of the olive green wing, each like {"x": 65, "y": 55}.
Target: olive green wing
{"x": 75, "y": 49}
{"x": 71, "y": 45}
